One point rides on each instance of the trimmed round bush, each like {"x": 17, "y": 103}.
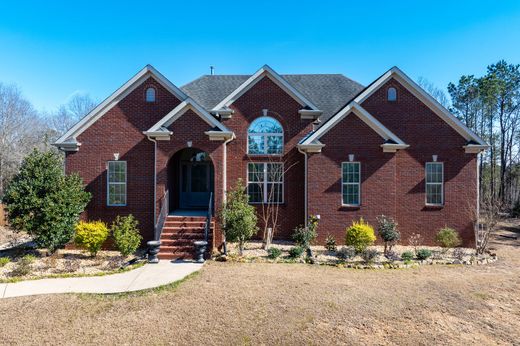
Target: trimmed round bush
{"x": 274, "y": 252}
{"x": 423, "y": 254}
{"x": 407, "y": 256}
{"x": 387, "y": 229}
{"x": 296, "y": 252}
{"x": 90, "y": 236}
{"x": 360, "y": 235}
{"x": 448, "y": 237}
{"x": 126, "y": 234}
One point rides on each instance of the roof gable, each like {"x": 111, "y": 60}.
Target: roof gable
{"x": 112, "y": 100}
{"x": 265, "y": 71}
{"x": 424, "y": 97}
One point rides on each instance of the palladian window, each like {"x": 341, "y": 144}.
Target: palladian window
{"x": 265, "y": 137}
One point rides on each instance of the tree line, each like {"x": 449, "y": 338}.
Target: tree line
{"x": 488, "y": 104}
{"x": 23, "y": 128}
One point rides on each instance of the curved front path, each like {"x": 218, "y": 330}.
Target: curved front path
{"x": 147, "y": 276}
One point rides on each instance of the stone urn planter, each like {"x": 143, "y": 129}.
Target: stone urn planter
{"x": 200, "y": 250}
{"x": 153, "y": 250}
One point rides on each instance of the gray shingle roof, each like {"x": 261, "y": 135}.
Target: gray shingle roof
{"x": 329, "y": 92}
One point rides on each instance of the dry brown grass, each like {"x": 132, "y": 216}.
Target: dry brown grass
{"x": 239, "y": 303}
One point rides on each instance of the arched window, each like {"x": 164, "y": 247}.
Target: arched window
{"x": 150, "y": 94}
{"x": 392, "y": 94}
{"x": 265, "y": 136}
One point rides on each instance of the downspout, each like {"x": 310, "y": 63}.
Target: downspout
{"x": 477, "y": 223}
{"x": 305, "y": 185}
{"x": 154, "y": 182}
{"x": 224, "y": 188}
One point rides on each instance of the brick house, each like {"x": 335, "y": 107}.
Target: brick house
{"x": 317, "y": 144}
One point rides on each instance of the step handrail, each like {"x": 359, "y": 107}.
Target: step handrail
{"x": 207, "y": 226}
{"x": 162, "y": 215}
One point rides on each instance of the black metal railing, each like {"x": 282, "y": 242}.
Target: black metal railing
{"x": 207, "y": 226}
{"x": 163, "y": 214}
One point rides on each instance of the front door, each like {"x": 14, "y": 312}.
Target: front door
{"x": 195, "y": 185}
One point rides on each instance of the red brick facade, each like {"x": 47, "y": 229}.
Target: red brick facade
{"x": 392, "y": 183}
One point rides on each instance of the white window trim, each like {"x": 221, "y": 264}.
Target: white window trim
{"x": 118, "y": 183}
{"x": 426, "y": 185}
{"x": 358, "y": 183}
{"x": 265, "y": 183}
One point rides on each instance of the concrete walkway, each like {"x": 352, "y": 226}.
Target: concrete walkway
{"x": 147, "y": 276}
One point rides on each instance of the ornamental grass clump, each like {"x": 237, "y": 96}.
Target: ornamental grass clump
{"x": 448, "y": 238}
{"x": 90, "y": 236}
{"x": 274, "y": 253}
{"x": 360, "y": 235}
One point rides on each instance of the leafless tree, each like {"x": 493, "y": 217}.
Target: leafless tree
{"x": 70, "y": 113}
{"x": 21, "y": 130}
{"x": 434, "y": 91}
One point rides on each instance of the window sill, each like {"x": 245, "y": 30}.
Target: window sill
{"x": 350, "y": 207}
{"x": 433, "y": 206}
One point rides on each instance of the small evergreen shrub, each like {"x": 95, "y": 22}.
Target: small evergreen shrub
{"x": 423, "y": 254}
{"x": 90, "y": 236}
{"x": 238, "y": 217}
{"x": 360, "y": 235}
{"x": 407, "y": 256}
{"x": 4, "y": 261}
{"x": 274, "y": 252}
{"x": 304, "y": 236}
{"x": 346, "y": 253}
{"x": 126, "y": 234}
{"x": 296, "y": 252}
{"x": 369, "y": 255}
{"x": 330, "y": 243}
{"x": 387, "y": 229}
{"x": 448, "y": 238}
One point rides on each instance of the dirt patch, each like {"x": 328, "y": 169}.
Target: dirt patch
{"x": 260, "y": 303}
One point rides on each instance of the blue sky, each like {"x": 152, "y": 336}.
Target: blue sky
{"x": 55, "y": 49}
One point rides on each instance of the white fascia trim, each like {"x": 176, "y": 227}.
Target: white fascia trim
{"x": 426, "y": 98}
{"x": 219, "y": 135}
{"x": 474, "y": 148}
{"x": 67, "y": 146}
{"x": 118, "y": 95}
{"x": 264, "y": 71}
{"x": 366, "y": 117}
{"x": 392, "y": 148}
{"x": 312, "y": 147}
{"x": 178, "y": 111}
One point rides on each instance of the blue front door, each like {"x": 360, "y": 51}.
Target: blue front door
{"x": 195, "y": 184}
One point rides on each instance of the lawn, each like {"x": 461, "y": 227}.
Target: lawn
{"x": 252, "y": 303}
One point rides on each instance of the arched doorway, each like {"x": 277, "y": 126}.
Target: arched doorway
{"x": 190, "y": 179}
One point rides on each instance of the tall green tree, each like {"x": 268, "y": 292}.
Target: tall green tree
{"x": 44, "y": 202}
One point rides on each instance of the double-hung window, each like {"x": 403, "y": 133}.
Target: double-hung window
{"x": 116, "y": 183}
{"x": 434, "y": 183}
{"x": 265, "y": 182}
{"x": 351, "y": 183}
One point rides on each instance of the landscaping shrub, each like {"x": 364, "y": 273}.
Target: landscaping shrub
{"x": 346, "y": 252}
{"x": 459, "y": 253}
{"x": 238, "y": 217}
{"x": 360, "y": 235}
{"x": 44, "y": 202}
{"x": 274, "y": 252}
{"x": 407, "y": 256}
{"x": 304, "y": 236}
{"x": 387, "y": 229}
{"x": 4, "y": 261}
{"x": 392, "y": 256}
{"x": 415, "y": 240}
{"x": 296, "y": 252}
{"x": 126, "y": 234}
{"x": 448, "y": 238}
{"x": 330, "y": 243}
{"x": 423, "y": 254}
{"x": 90, "y": 236}
{"x": 369, "y": 255}
{"x": 23, "y": 266}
